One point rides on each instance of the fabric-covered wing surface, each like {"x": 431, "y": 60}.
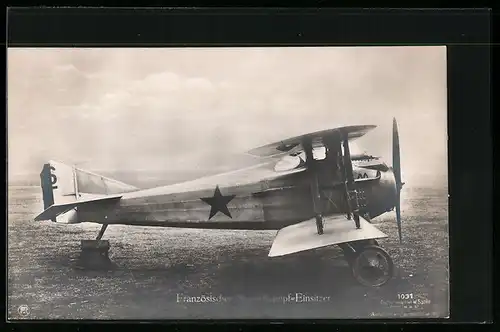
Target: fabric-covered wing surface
{"x": 293, "y": 145}
{"x": 337, "y": 229}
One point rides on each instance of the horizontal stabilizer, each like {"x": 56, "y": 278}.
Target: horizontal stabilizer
{"x": 337, "y": 229}
{"x": 56, "y": 209}
{"x": 63, "y": 184}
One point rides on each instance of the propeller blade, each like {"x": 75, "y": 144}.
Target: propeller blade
{"x": 396, "y": 161}
{"x": 398, "y": 218}
{"x": 396, "y": 166}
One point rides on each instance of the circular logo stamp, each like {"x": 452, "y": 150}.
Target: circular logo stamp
{"x": 23, "y": 310}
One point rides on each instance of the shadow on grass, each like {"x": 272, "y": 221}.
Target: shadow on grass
{"x": 245, "y": 273}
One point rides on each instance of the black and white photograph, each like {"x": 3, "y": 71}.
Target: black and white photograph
{"x": 227, "y": 183}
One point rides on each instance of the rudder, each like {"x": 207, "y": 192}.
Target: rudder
{"x": 58, "y": 182}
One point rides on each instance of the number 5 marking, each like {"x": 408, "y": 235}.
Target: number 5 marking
{"x": 53, "y": 178}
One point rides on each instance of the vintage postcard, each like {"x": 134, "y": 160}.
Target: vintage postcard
{"x": 256, "y": 182}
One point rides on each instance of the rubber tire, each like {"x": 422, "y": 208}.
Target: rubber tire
{"x": 365, "y": 243}
{"x": 353, "y": 261}
{"x": 357, "y": 245}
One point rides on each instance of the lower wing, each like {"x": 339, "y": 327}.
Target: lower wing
{"x": 337, "y": 229}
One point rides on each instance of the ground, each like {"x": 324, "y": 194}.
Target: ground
{"x": 157, "y": 267}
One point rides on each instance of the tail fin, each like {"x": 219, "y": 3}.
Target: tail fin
{"x": 63, "y": 184}
{"x": 59, "y": 186}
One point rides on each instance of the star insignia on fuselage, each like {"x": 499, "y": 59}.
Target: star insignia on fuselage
{"x": 218, "y": 203}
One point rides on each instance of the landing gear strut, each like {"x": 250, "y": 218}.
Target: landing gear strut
{"x": 370, "y": 264}
{"x": 101, "y": 232}
{"x": 95, "y": 253}
{"x": 319, "y": 224}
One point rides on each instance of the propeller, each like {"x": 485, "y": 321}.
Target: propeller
{"x": 396, "y": 165}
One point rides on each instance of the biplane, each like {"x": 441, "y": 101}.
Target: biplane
{"x": 309, "y": 188}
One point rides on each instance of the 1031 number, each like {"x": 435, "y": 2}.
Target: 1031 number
{"x": 405, "y": 296}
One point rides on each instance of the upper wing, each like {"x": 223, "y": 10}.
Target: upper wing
{"x": 57, "y": 209}
{"x": 337, "y": 229}
{"x": 293, "y": 145}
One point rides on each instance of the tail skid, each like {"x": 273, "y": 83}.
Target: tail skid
{"x": 64, "y": 187}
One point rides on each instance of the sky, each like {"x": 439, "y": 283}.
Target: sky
{"x": 187, "y": 109}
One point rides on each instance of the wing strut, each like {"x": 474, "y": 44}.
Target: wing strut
{"x": 316, "y": 195}
{"x": 347, "y": 175}
{"x": 352, "y": 197}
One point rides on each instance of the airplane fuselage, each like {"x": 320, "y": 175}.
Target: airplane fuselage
{"x": 256, "y": 198}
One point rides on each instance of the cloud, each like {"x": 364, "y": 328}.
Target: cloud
{"x": 175, "y": 108}
{"x": 67, "y": 69}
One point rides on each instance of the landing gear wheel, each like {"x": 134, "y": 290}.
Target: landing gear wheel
{"x": 371, "y": 266}
{"x": 365, "y": 243}
{"x": 352, "y": 248}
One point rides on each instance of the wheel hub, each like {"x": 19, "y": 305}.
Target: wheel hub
{"x": 372, "y": 266}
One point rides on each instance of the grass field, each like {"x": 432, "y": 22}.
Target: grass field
{"x": 155, "y": 266}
